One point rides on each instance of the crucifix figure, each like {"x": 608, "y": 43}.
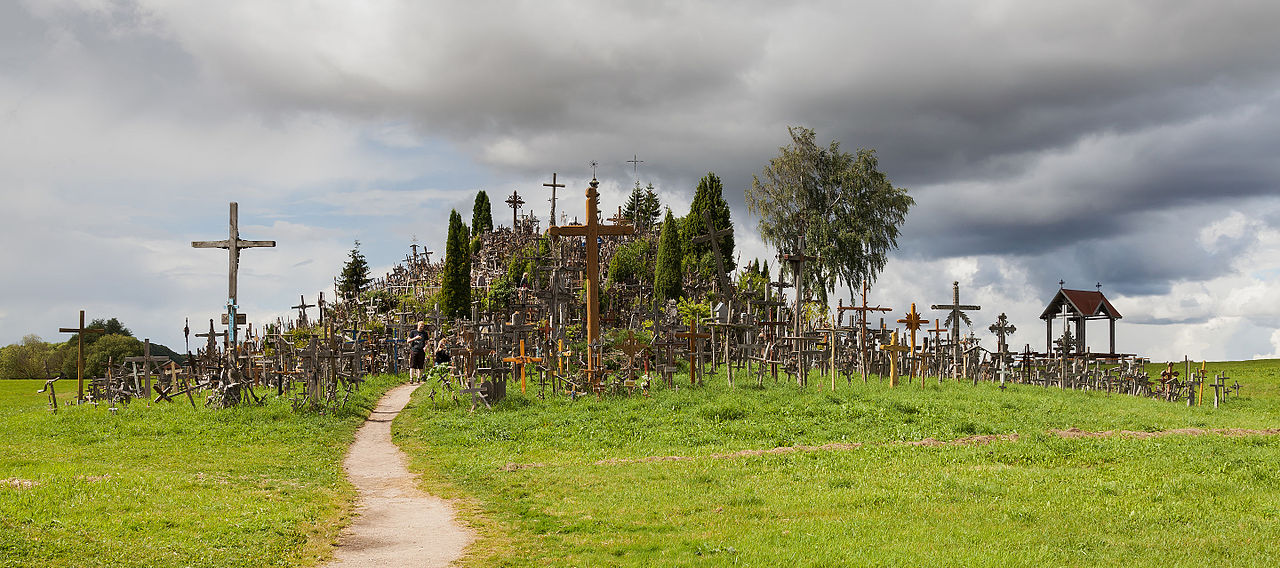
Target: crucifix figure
{"x": 233, "y": 244}
{"x": 553, "y": 185}
{"x": 80, "y": 331}
{"x": 592, "y": 231}
{"x": 514, "y": 202}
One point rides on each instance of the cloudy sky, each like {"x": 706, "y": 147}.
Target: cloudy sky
{"x": 1127, "y": 143}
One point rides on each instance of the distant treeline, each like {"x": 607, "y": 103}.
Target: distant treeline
{"x": 34, "y": 358}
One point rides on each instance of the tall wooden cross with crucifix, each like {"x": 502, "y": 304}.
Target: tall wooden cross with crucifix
{"x": 80, "y": 331}
{"x": 553, "y": 185}
{"x": 233, "y": 244}
{"x": 592, "y": 231}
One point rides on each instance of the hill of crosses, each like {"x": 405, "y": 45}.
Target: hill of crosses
{"x": 612, "y": 306}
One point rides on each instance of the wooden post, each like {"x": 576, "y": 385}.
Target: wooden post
{"x": 80, "y": 331}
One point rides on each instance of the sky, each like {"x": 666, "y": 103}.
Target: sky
{"x": 1127, "y": 144}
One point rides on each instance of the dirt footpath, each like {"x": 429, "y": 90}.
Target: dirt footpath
{"x": 397, "y": 525}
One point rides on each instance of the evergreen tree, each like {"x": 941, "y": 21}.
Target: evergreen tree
{"x": 355, "y": 274}
{"x": 481, "y": 214}
{"x": 455, "y": 281}
{"x": 708, "y": 196}
{"x": 643, "y": 209}
{"x": 667, "y": 276}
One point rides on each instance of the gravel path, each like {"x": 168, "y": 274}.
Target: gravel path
{"x": 397, "y": 525}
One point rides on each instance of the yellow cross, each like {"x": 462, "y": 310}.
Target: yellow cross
{"x": 893, "y": 348}
{"x": 913, "y": 323}
{"x": 521, "y": 360}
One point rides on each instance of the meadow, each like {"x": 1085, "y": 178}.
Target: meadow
{"x": 167, "y": 485}
{"x": 945, "y": 474}
{"x": 950, "y": 474}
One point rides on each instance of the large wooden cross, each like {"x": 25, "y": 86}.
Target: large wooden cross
{"x": 957, "y": 312}
{"x": 553, "y": 185}
{"x": 233, "y": 244}
{"x": 80, "y": 331}
{"x": 713, "y": 235}
{"x": 592, "y": 231}
{"x": 302, "y": 310}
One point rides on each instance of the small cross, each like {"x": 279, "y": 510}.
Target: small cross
{"x": 635, "y": 161}
{"x": 894, "y": 349}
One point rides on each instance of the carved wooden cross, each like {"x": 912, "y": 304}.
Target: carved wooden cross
{"x": 592, "y": 231}
{"x": 713, "y": 235}
{"x": 1002, "y": 329}
{"x": 913, "y": 322}
{"x": 233, "y": 244}
{"x": 514, "y": 202}
{"x": 894, "y": 349}
{"x": 957, "y": 312}
{"x": 553, "y": 185}
{"x": 80, "y": 331}
{"x": 521, "y": 361}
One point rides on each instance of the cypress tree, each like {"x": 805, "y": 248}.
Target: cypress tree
{"x": 667, "y": 275}
{"x": 708, "y": 196}
{"x": 481, "y": 214}
{"x": 455, "y": 281}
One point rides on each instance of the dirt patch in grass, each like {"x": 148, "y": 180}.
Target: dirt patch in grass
{"x": 18, "y": 483}
{"x": 1078, "y": 433}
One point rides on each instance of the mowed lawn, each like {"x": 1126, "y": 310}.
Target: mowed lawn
{"x": 673, "y": 480}
{"x": 168, "y": 485}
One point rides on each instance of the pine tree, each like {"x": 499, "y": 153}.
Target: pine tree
{"x": 481, "y": 214}
{"x": 708, "y": 196}
{"x": 667, "y": 276}
{"x": 355, "y": 274}
{"x": 455, "y": 281}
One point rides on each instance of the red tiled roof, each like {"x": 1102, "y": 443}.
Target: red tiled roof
{"x": 1086, "y": 302}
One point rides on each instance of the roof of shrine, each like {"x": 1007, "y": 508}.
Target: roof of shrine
{"x": 1089, "y": 303}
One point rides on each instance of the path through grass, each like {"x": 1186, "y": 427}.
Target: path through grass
{"x": 167, "y": 485}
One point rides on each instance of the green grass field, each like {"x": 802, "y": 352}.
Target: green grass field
{"x": 167, "y": 485}
{"x": 566, "y": 483}
{"x": 652, "y": 481}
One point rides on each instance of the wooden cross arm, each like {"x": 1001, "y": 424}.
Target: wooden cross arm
{"x": 78, "y": 330}
{"x": 954, "y": 307}
{"x": 254, "y": 244}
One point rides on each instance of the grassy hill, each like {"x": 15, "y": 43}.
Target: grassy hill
{"x": 948, "y": 474}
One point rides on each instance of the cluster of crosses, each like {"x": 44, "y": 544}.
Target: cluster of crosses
{"x": 559, "y": 335}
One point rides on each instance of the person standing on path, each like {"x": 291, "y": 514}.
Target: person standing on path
{"x": 417, "y": 352}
